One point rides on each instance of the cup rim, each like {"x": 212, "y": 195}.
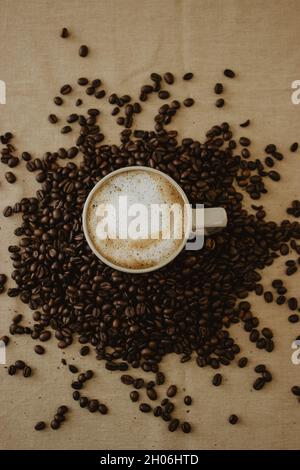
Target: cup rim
{"x": 90, "y": 242}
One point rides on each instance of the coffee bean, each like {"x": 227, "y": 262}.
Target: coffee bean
{"x": 151, "y": 394}
{"x": 274, "y": 175}
{"x": 267, "y": 333}
{"x": 127, "y": 379}
{"x": 45, "y": 335}
{"x": 84, "y": 351}
{"x": 233, "y": 419}
{"x": 145, "y": 408}
{"x": 138, "y": 383}
{"x": 259, "y": 383}
{"x": 157, "y": 411}
{"x": 294, "y": 147}
{"x": 291, "y": 270}
{"x": 83, "y": 51}
{"x": 58, "y": 101}
{"x": 229, "y": 73}
{"x": 20, "y": 364}
{"x": 39, "y": 349}
{"x": 187, "y": 400}
{"x": 188, "y": 102}
{"x": 186, "y": 427}
{"x": 78, "y": 102}
{"x": 93, "y": 406}
{"x": 7, "y": 211}
{"x": 89, "y": 374}
{"x": 293, "y": 303}
{"x": 174, "y": 423}
{"x": 12, "y": 370}
{"x": 219, "y": 88}
{"x": 10, "y": 177}
{"x": 188, "y": 76}
{"x": 172, "y": 390}
{"x": 160, "y": 378}
{"x": 52, "y": 118}
{"x": 134, "y": 395}
{"x": 81, "y": 378}
{"x": 64, "y": 33}
{"x": 220, "y": 103}
{"x": 163, "y": 94}
{"x": 217, "y": 380}
{"x": 76, "y": 385}
{"x": 268, "y": 296}
{"x": 102, "y": 409}
{"x": 267, "y": 376}
{"x": 66, "y": 129}
{"x": 61, "y": 410}
{"x": 244, "y": 141}
{"x": 293, "y": 318}
{"x": 55, "y": 424}
{"x": 27, "y": 371}
{"x": 40, "y": 426}
{"x": 280, "y": 300}
{"x": 260, "y": 368}
{"x": 245, "y": 123}
{"x": 243, "y": 361}
{"x": 66, "y": 89}
{"x": 100, "y": 94}
{"x": 169, "y": 78}
{"x": 296, "y": 390}
{"x": 76, "y": 395}
{"x": 83, "y": 402}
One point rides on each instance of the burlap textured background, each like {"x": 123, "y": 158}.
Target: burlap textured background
{"x": 128, "y": 40}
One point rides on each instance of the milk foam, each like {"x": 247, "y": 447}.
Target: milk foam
{"x": 145, "y": 188}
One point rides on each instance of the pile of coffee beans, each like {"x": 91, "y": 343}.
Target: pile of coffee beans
{"x": 187, "y": 307}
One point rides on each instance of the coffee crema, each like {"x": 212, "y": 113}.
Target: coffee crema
{"x": 138, "y": 187}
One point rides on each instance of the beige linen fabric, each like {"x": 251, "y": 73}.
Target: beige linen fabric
{"x": 128, "y": 40}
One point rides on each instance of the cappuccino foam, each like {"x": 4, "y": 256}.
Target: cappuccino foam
{"x": 146, "y": 188}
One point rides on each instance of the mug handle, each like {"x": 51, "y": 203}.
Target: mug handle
{"x": 211, "y": 220}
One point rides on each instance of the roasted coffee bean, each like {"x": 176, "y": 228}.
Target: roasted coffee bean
{"x": 40, "y": 426}
{"x": 20, "y": 364}
{"x": 293, "y": 318}
{"x": 254, "y": 335}
{"x": 83, "y": 51}
{"x": 267, "y": 333}
{"x": 100, "y": 94}
{"x": 93, "y": 405}
{"x": 260, "y": 368}
{"x": 81, "y": 378}
{"x": 274, "y": 175}
{"x": 220, "y": 103}
{"x": 219, "y": 88}
{"x": 296, "y": 390}
{"x": 55, "y": 424}
{"x": 157, "y": 411}
{"x": 12, "y": 370}
{"x": 291, "y": 270}
{"x": 244, "y": 141}
{"x": 294, "y": 147}
{"x": 138, "y": 383}
{"x": 64, "y": 33}
{"x": 27, "y": 371}
{"x": 89, "y": 374}
{"x": 76, "y": 395}
{"x": 84, "y": 351}
{"x": 45, "y": 335}
{"x": 243, "y": 361}
{"x": 66, "y": 129}
{"x": 134, "y": 396}
{"x": 188, "y": 76}
{"x": 83, "y": 402}
{"x": 160, "y": 378}
{"x": 229, "y": 73}
{"x": 76, "y": 385}
{"x": 145, "y": 408}
{"x": 66, "y": 89}
{"x": 102, "y": 409}
{"x": 233, "y": 419}
{"x": 78, "y": 102}
{"x": 163, "y": 94}
{"x": 127, "y": 379}
{"x": 8, "y": 211}
{"x": 187, "y": 400}
{"x": 96, "y": 83}
{"x": 39, "y": 349}
{"x": 169, "y": 78}
{"x": 73, "y": 369}
{"x": 172, "y": 390}
{"x": 61, "y": 410}
{"x": 174, "y": 423}
{"x": 186, "y": 427}
{"x": 267, "y": 376}
{"x": 281, "y": 300}
{"x": 293, "y": 303}
{"x": 268, "y": 296}
{"x": 259, "y": 383}
{"x": 10, "y": 177}
{"x": 151, "y": 394}
{"x": 188, "y": 102}
{"x": 13, "y": 161}
{"x": 245, "y": 123}
{"x": 52, "y": 118}
{"x": 217, "y": 380}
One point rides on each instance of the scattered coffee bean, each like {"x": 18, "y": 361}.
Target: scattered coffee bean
{"x": 294, "y": 147}
{"x": 145, "y": 408}
{"x": 40, "y": 426}
{"x": 217, "y": 380}
{"x": 219, "y": 88}
{"x": 233, "y": 419}
{"x": 188, "y": 102}
{"x": 174, "y": 423}
{"x": 134, "y": 395}
{"x": 64, "y": 33}
{"x": 66, "y": 89}
{"x": 83, "y": 51}
{"x": 169, "y": 78}
{"x": 172, "y": 390}
{"x": 229, "y": 73}
{"x": 27, "y": 371}
{"x": 243, "y": 361}
{"x": 186, "y": 427}
{"x": 10, "y": 177}
{"x": 220, "y": 103}
{"x": 245, "y": 123}
{"x": 259, "y": 383}
{"x": 188, "y": 76}
{"x": 296, "y": 390}
{"x": 102, "y": 409}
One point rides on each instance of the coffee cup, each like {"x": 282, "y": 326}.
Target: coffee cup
{"x": 140, "y": 242}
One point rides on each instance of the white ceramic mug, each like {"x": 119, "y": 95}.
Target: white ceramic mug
{"x": 214, "y": 220}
